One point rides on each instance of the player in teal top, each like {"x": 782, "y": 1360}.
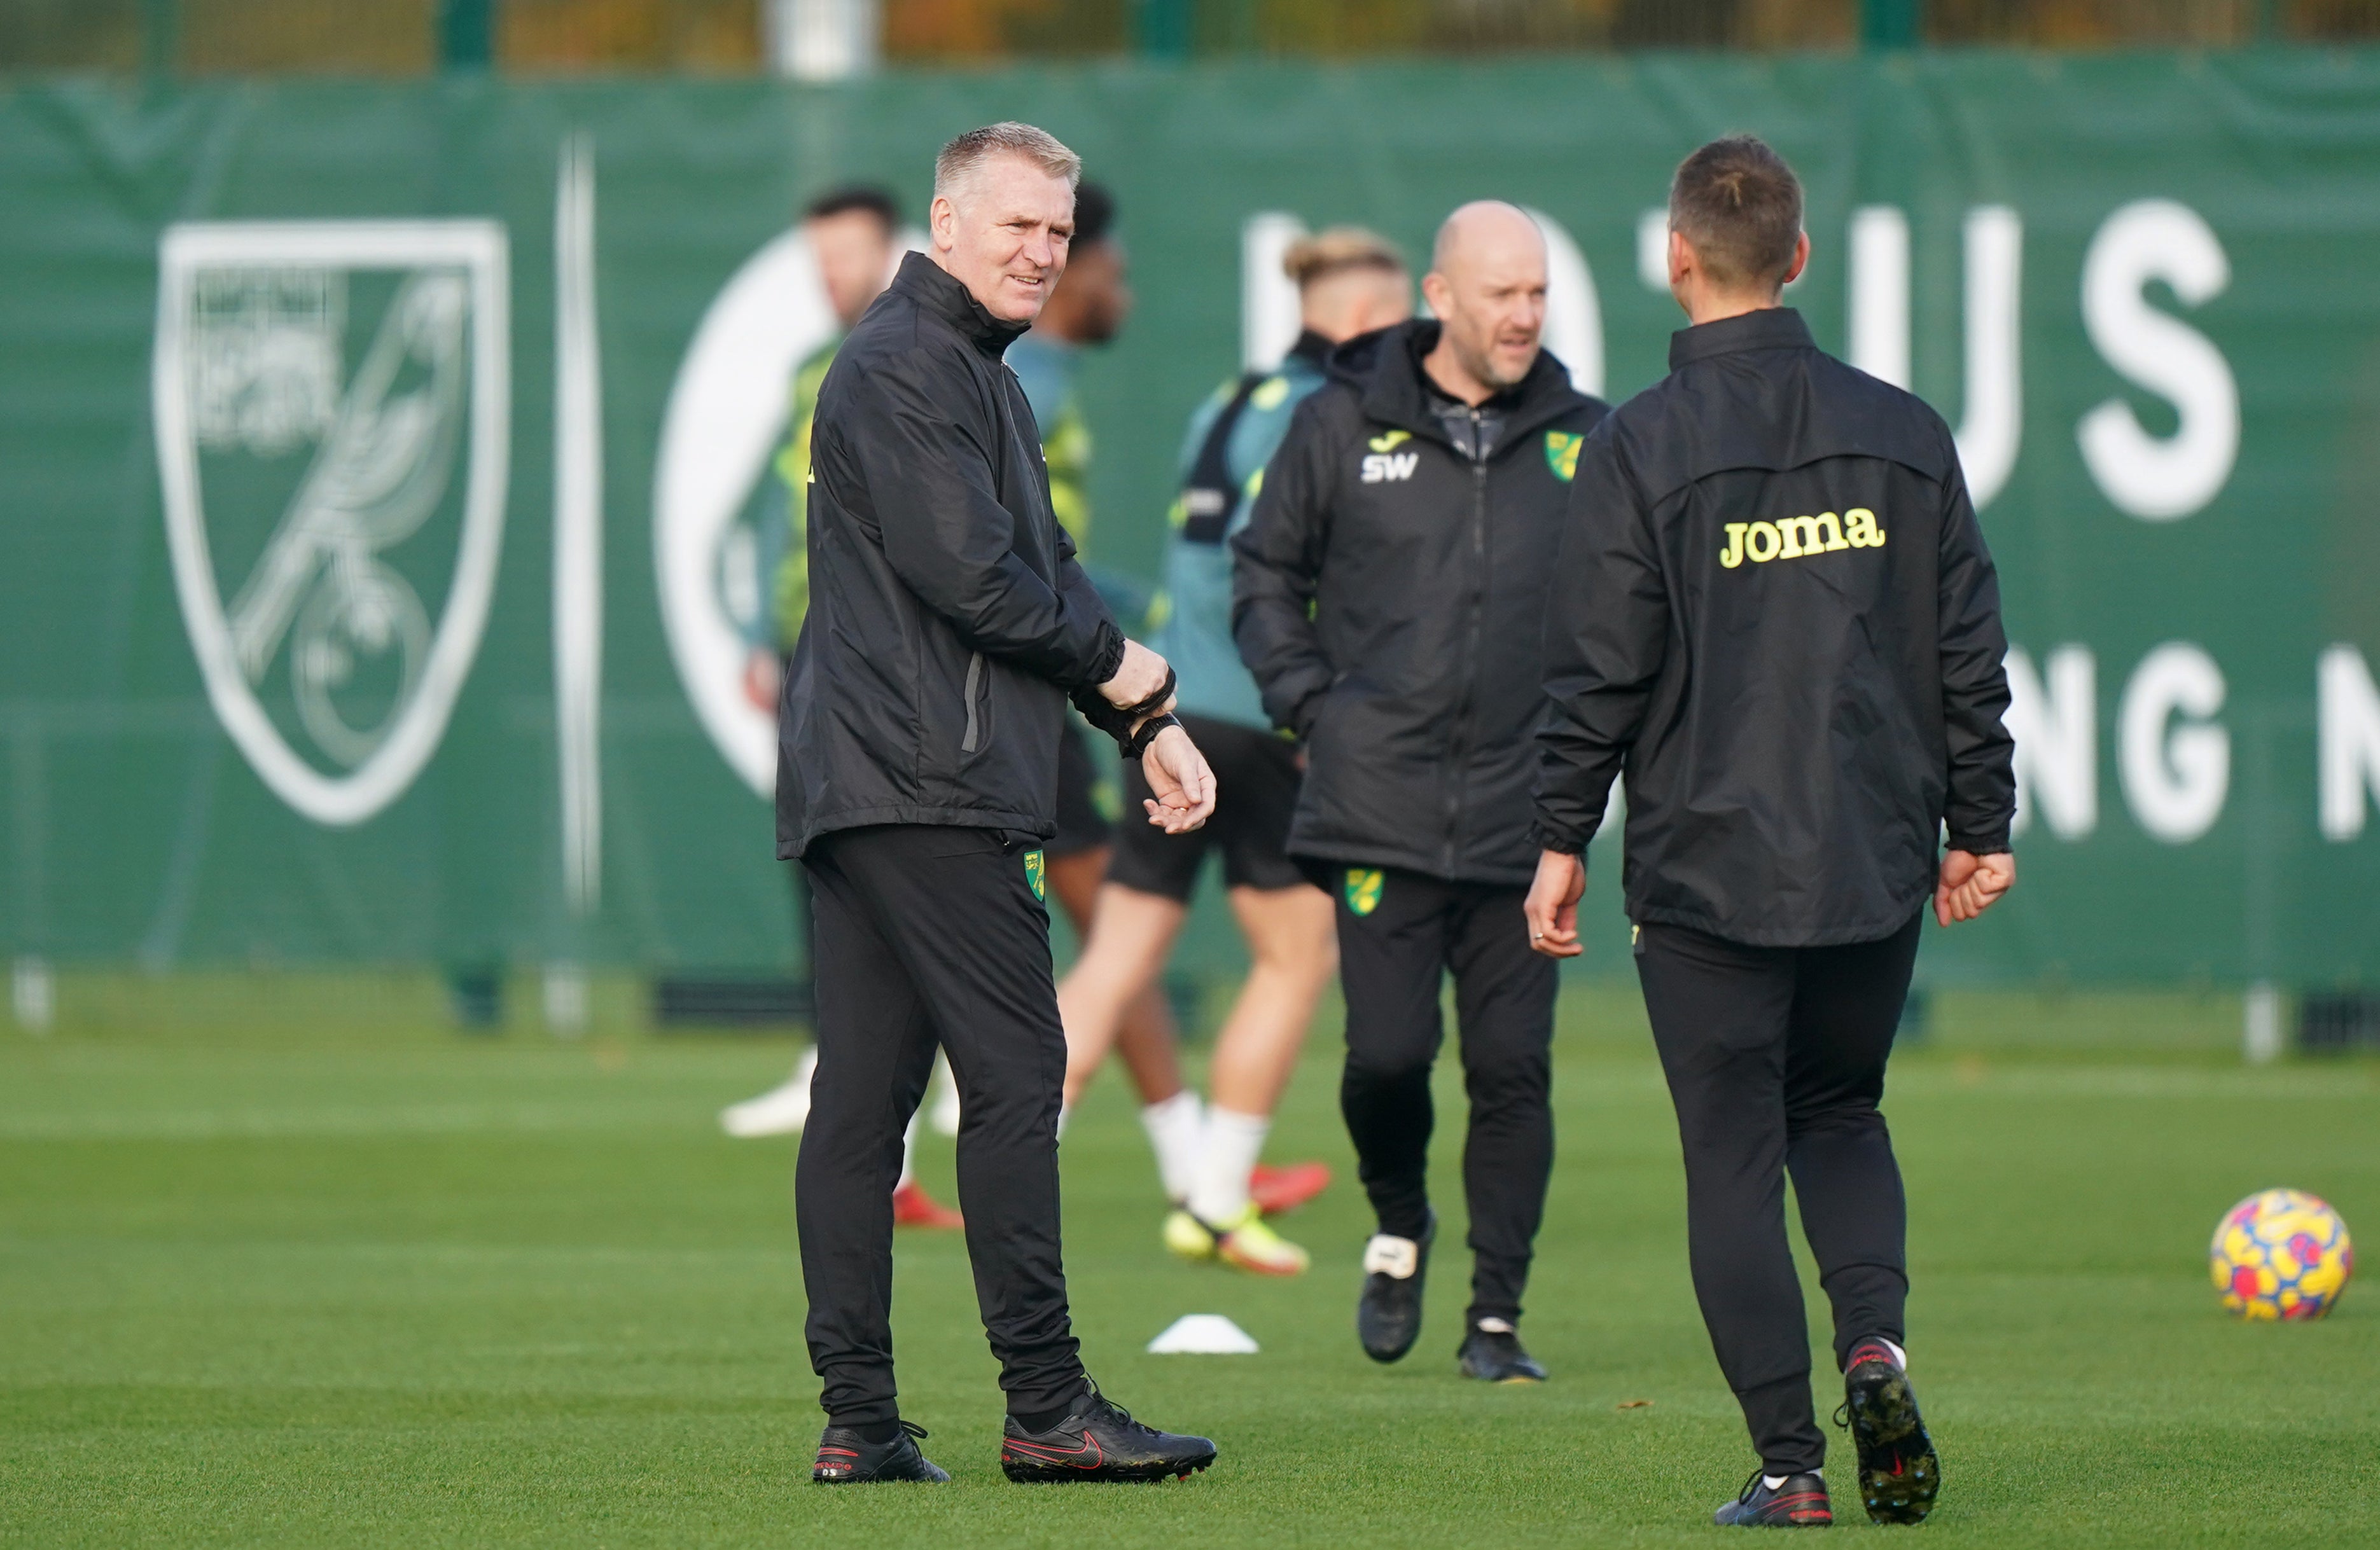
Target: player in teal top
{"x": 1349, "y": 282}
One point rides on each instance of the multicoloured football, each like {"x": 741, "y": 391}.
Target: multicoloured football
{"x": 2280, "y": 1253}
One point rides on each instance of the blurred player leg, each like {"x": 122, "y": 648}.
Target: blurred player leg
{"x": 1134, "y": 1016}
{"x": 1290, "y": 938}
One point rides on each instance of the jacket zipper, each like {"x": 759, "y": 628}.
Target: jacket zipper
{"x": 1461, "y": 749}
{"x": 973, "y": 724}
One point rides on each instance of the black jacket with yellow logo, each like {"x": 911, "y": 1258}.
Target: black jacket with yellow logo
{"x": 1387, "y": 594}
{"x": 948, "y": 620}
{"x": 1774, "y": 606}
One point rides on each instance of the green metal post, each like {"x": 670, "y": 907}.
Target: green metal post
{"x": 1162, "y": 29}
{"x": 467, "y": 34}
{"x": 160, "y": 37}
{"x": 1890, "y": 23}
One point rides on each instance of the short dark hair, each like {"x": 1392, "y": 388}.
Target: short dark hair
{"x": 1741, "y": 206}
{"x": 856, "y": 197}
{"x": 1095, "y": 213}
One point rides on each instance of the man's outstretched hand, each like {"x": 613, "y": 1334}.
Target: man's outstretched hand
{"x": 1552, "y": 907}
{"x": 1970, "y": 883}
{"x": 1178, "y": 774}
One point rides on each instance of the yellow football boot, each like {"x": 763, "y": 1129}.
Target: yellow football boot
{"x": 1246, "y": 1243}
{"x": 1186, "y": 1237}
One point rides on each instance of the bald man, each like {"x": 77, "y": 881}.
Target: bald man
{"x": 1387, "y": 596}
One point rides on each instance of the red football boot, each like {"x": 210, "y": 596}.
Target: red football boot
{"x": 1276, "y": 1190}
{"x": 911, "y": 1207}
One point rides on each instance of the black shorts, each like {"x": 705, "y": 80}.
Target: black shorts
{"x": 1081, "y": 825}
{"x": 1255, "y": 774}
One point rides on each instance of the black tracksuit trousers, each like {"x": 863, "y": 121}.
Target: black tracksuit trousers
{"x": 932, "y": 936}
{"x": 1392, "y": 961}
{"x": 1775, "y": 1059}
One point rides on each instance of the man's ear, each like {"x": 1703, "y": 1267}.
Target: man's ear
{"x": 943, "y": 221}
{"x": 1801, "y": 261}
{"x": 1685, "y": 264}
{"x": 1437, "y": 293}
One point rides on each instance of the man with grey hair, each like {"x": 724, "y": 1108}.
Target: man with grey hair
{"x": 919, "y": 730}
{"x": 1390, "y": 588}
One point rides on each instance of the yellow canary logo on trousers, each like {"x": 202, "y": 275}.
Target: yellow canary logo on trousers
{"x": 1037, "y": 875}
{"x": 1363, "y": 888}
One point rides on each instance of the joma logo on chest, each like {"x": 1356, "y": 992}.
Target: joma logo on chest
{"x": 1798, "y": 536}
{"x": 1390, "y": 467}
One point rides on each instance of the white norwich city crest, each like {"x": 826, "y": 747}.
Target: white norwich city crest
{"x": 332, "y": 417}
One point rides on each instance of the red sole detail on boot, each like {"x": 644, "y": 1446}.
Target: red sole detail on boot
{"x": 1276, "y": 1190}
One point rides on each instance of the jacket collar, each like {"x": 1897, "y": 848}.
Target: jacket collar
{"x": 1770, "y": 328}
{"x": 1385, "y": 369}
{"x": 1311, "y": 349}
{"x": 940, "y": 292}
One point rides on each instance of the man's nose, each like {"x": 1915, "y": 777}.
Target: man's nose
{"x": 1041, "y": 250}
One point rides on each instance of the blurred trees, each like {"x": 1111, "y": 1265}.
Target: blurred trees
{"x": 529, "y": 37}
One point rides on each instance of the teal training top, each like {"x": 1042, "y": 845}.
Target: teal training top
{"x": 1195, "y": 635}
{"x": 1045, "y": 368}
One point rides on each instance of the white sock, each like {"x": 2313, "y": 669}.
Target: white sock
{"x": 1899, "y": 1355}
{"x": 1218, "y": 1189}
{"x": 908, "y": 1156}
{"x": 1176, "y": 1132}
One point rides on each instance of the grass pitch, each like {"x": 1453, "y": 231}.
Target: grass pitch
{"x": 375, "y": 1283}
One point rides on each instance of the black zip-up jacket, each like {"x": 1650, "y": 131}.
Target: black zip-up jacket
{"x": 1387, "y": 594}
{"x": 1774, "y": 606}
{"x": 948, "y": 620}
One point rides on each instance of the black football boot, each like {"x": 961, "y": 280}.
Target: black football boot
{"x": 1798, "y": 1501}
{"x": 1098, "y": 1441}
{"x": 1492, "y": 1352}
{"x": 845, "y": 1458}
{"x": 1387, "y": 1316}
{"x": 1898, "y": 1473}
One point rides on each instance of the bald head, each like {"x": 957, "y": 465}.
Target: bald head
{"x": 1487, "y": 283}
{"x": 1485, "y": 226}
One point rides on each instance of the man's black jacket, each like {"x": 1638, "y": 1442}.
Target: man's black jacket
{"x": 1387, "y": 595}
{"x": 948, "y": 620}
{"x": 1774, "y": 606}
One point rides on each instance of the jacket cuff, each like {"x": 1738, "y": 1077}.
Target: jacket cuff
{"x": 1993, "y": 843}
{"x": 1108, "y": 657}
{"x": 1559, "y": 840}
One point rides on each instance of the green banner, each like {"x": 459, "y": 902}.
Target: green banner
{"x": 385, "y": 465}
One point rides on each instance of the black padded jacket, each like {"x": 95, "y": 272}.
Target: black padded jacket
{"x": 1775, "y": 610}
{"x": 1388, "y": 593}
{"x": 948, "y": 620}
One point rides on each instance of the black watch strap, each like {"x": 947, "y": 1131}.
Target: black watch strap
{"x": 1137, "y": 744}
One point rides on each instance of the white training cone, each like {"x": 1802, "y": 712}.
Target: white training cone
{"x": 1203, "y": 1335}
